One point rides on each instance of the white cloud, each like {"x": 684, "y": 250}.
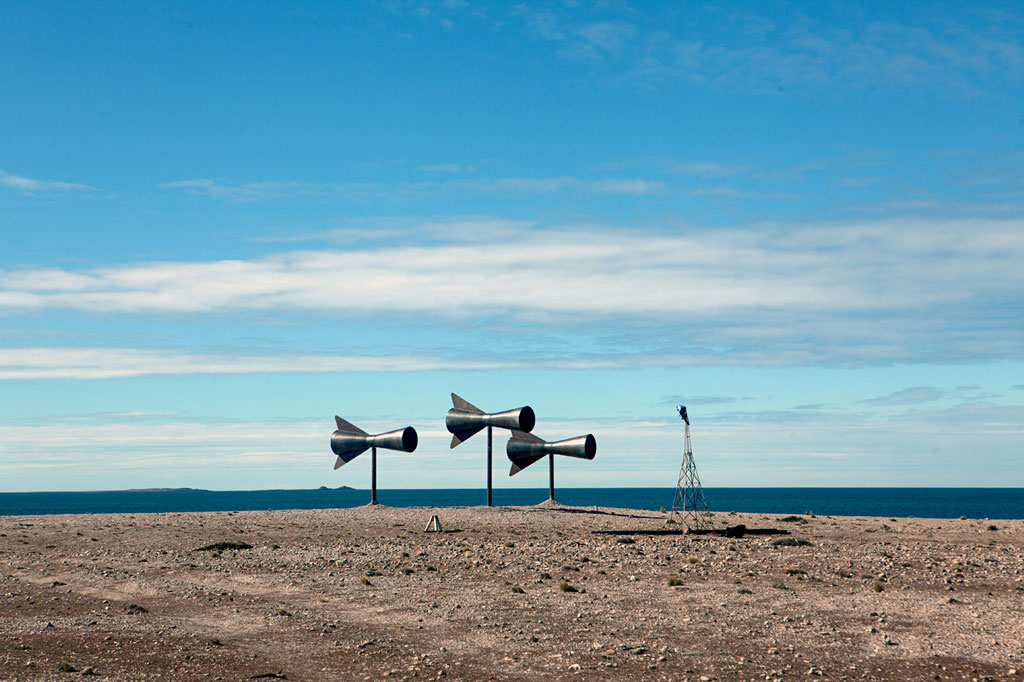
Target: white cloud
{"x": 891, "y": 289}
{"x": 908, "y": 396}
{"x": 106, "y": 363}
{"x": 742, "y": 52}
{"x": 276, "y": 190}
{"x": 61, "y": 362}
{"x": 453, "y": 168}
{"x": 708, "y": 169}
{"x": 265, "y": 189}
{"x": 34, "y": 186}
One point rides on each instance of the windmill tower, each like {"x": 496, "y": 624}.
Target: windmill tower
{"x": 689, "y": 498}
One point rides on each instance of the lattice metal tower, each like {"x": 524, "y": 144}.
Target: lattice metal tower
{"x": 689, "y": 498}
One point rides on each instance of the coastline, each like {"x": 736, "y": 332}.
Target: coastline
{"x": 365, "y": 593}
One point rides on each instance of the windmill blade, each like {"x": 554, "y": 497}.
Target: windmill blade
{"x": 348, "y": 457}
{"x": 520, "y": 462}
{"x": 464, "y": 435}
{"x": 528, "y": 437}
{"x": 347, "y": 427}
{"x": 465, "y": 405}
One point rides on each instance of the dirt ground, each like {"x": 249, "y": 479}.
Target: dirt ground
{"x": 508, "y": 593}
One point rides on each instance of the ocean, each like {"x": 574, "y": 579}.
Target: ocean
{"x": 979, "y": 503}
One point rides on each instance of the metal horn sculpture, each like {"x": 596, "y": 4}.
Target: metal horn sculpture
{"x": 465, "y": 420}
{"x": 523, "y": 449}
{"x": 350, "y": 441}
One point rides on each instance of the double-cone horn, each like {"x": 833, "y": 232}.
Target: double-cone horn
{"x": 350, "y": 441}
{"x": 523, "y": 449}
{"x": 465, "y": 419}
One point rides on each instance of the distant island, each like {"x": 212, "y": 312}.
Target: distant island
{"x": 340, "y": 487}
{"x": 161, "y": 490}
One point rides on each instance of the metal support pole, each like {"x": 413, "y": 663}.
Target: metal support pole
{"x": 551, "y": 477}
{"x": 373, "y": 477}
{"x": 489, "y": 504}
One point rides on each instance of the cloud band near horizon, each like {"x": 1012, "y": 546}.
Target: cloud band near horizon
{"x": 878, "y": 291}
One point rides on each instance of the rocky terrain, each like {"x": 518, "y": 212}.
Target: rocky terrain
{"x": 507, "y": 594}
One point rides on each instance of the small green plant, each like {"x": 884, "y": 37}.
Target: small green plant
{"x": 674, "y": 582}
{"x": 877, "y": 586}
{"x": 366, "y": 581}
{"x": 693, "y": 561}
{"x": 517, "y": 589}
{"x": 744, "y": 590}
{"x": 510, "y": 545}
{"x": 566, "y": 587}
{"x": 407, "y": 570}
{"x": 545, "y": 576}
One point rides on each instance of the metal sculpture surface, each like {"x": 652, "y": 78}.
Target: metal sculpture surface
{"x": 523, "y": 449}
{"x": 350, "y": 441}
{"x": 465, "y": 420}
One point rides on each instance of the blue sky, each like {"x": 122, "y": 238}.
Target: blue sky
{"x": 223, "y": 223}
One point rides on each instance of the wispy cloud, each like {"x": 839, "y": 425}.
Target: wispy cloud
{"x": 908, "y": 396}
{"x": 33, "y": 186}
{"x": 453, "y": 168}
{"x": 108, "y": 363}
{"x": 266, "y": 189}
{"x": 87, "y": 363}
{"x": 746, "y": 52}
{"x": 871, "y": 291}
{"x": 275, "y": 190}
{"x": 597, "y": 39}
{"x": 388, "y": 230}
{"x": 708, "y": 169}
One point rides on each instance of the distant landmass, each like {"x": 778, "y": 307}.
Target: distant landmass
{"x": 340, "y": 487}
{"x": 162, "y": 490}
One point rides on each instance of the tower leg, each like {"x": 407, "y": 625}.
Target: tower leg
{"x": 489, "y": 503}
{"x": 551, "y": 477}
{"x": 373, "y": 476}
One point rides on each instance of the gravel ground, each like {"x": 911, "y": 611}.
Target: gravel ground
{"x": 508, "y": 593}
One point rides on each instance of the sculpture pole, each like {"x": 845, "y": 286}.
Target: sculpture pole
{"x": 373, "y": 476}
{"x": 489, "y": 503}
{"x": 551, "y": 477}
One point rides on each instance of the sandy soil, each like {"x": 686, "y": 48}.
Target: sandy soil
{"x": 507, "y": 593}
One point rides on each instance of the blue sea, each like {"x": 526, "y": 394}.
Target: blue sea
{"x": 979, "y": 503}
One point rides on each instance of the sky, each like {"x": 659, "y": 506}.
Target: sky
{"x": 221, "y": 224}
